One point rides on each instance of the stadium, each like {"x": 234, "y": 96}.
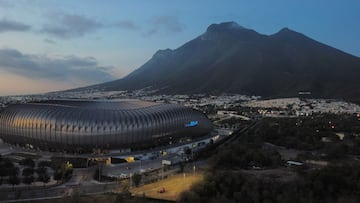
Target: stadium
{"x": 84, "y": 125}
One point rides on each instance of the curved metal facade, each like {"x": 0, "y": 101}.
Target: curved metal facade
{"x": 69, "y": 125}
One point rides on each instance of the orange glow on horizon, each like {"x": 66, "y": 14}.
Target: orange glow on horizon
{"x": 11, "y": 84}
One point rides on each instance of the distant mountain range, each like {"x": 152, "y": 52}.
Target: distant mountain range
{"x": 229, "y": 58}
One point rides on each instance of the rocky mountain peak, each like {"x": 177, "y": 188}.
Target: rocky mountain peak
{"x": 162, "y": 53}
{"x": 226, "y": 26}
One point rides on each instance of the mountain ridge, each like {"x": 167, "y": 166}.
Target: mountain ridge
{"x": 229, "y": 58}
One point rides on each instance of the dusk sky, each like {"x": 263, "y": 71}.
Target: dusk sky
{"x": 53, "y": 45}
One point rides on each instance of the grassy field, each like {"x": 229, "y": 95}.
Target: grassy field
{"x": 173, "y": 186}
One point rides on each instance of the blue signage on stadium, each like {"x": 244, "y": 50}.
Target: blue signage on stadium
{"x": 192, "y": 124}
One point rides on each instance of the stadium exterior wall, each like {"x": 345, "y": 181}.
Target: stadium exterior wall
{"x": 87, "y": 125}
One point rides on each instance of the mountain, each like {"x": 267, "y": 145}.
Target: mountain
{"x": 229, "y": 58}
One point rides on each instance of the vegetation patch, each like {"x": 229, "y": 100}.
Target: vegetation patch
{"x": 251, "y": 169}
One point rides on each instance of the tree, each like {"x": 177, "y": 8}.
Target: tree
{"x": 28, "y": 179}
{"x": 190, "y": 196}
{"x": 28, "y": 175}
{"x": 61, "y": 171}
{"x": 75, "y": 197}
{"x": 27, "y": 162}
{"x": 3, "y": 173}
{"x": 97, "y": 174}
{"x": 14, "y": 177}
{"x": 44, "y": 164}
{"x": 28, "y": 172}
{"x": 188, "y": 153}
{"x": 136, "y": 179}
{"x": 123, "y": 197}
{"x": 43, "y": 175}
{"x": 14, "y": 180}
{"x": 6, "y": 166}
{"x": 58, "y": 175}
{"x": 182, "y": 166}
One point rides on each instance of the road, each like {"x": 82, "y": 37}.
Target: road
{"x": 124, "y": 170}
{"x": 85, "y": 187}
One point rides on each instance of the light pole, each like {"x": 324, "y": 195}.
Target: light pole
{"x": 192, "y": 156}
{"x": 130, "y": 180}
{"x": 99, "y": 170}
{"x": 184, "y": 180}
{"x": 162, "y": 174}
{"x": 140, "y": 165}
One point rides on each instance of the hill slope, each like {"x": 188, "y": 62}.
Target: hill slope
{"x": 229, "y": 58}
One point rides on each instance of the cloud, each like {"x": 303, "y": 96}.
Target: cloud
{"x": 169, "y": 24}
{"x": 67, "y": 26}
{"x": 126, "y": 24}
{"x": 49, "y": 41}
{"x": 7, "y": 25}
{"x": 65, "y": 69}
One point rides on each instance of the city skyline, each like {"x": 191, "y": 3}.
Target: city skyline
{"x": 49, "y": 46}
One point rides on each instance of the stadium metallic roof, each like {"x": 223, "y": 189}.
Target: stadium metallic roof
{"x": 88, "y": 124}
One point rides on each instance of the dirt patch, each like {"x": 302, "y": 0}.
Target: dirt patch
{"x": 172, "y": 187}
